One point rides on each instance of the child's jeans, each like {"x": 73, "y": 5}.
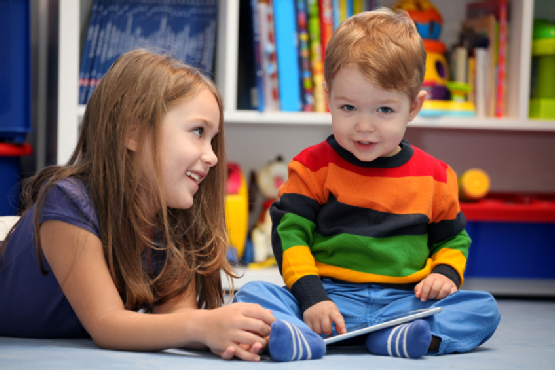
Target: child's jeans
{"x": 467, "y": 320}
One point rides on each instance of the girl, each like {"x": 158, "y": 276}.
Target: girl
{"x": 133, "y": 221}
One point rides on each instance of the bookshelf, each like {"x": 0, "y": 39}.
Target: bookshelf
{"x": 522, "y": 11}
{"x": 254, "y": 137}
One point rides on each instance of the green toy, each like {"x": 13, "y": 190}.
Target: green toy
{"x": 542, "y": 105}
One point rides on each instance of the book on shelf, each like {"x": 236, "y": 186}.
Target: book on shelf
{"x": 325, "y": 7}
{"x": 502, "y": 65}
{"x": 257, "y": 54}
{"x": 481, "y": 80}
{"x": 336, "y": 13}
{"x": 270, "y": 82}
{"x": 184, "y": 29}
{"x": 459, "y": 64}
{"x": 316, "y": 56}
{"x": 498, "y": 10}
{"x": 307, "y": 87}
{"x": 486, "y": 27}
{"x": 287, "y": 57}
{"x": 248, "y": 72}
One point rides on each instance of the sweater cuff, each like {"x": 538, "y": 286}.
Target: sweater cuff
{"x": 449, "y": 272}
{"x": 308, "y": 291}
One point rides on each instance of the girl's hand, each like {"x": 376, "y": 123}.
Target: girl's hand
{"x": 321, "y": 316}
{"x": 434, "y": 286}
{"x": 238, "y": 330}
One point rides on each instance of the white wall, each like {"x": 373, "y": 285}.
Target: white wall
{"x": 516, "y": 161}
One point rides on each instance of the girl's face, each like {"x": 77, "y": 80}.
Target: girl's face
{"x": 186, "y": 147}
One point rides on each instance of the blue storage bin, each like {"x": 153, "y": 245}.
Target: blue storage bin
{"x": 511, "y": 250}
{"x": 10, "y": 155}
{"x": 15, "y": 70}
{"x": 513, "y": 236}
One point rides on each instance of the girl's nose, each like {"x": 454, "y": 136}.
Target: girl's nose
{"x": 209, "y": 157}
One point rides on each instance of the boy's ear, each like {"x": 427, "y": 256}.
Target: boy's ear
{"x": 326, "y": 93}
{"x": 416, "y": 105}
{"x": 132, "y": 137}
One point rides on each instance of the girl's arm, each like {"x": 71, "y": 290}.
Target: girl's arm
{"x": 77, "y": 260}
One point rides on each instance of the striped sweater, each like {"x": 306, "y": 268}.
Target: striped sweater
{"x": 390, "y": 221}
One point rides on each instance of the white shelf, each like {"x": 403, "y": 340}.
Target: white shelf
{"x": 324, "y": 119}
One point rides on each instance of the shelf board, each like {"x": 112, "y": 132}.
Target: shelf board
{"x": 324, "y": 119}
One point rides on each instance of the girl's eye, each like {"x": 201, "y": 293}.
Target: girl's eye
{"x": 198, "y": 131}
{"x": 348, "y": 108}
{"x": 385, "y": 110}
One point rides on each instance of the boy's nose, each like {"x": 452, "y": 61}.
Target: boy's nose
{"x": 365, "y": 124}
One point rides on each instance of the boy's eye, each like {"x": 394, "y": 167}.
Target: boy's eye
{"x": 198, "y": 131}
{"x": 348, "y": 108}
{"x": 385, "y": 110}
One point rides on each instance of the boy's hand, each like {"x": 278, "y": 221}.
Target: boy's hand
{"x": 321, "y": 316}
{"x": 434, "y": 286}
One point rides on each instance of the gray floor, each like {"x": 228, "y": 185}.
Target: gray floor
{"x": 525, "y": 339}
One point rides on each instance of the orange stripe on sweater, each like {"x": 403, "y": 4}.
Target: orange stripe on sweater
{"x": 406, "y": 195}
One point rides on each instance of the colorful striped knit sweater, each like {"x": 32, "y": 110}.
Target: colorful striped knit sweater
{"x": 390, "y": 221}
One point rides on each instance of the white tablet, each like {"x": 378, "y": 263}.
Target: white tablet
{"x": 395, "y": 320}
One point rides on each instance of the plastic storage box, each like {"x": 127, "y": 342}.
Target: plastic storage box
{"x": 513, "y": 236}
{"x": 10, "y": 155}
{"x": 15, "y": 70}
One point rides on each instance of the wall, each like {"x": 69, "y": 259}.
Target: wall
{"x": 516, "y": 161}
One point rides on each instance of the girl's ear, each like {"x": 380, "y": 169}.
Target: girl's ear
{"x": 417, "y": 104}
{"x": 132, "y": 137}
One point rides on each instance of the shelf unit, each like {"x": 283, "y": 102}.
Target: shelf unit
{"x": 522, "y": 12}
{"x": 227, "y": 59}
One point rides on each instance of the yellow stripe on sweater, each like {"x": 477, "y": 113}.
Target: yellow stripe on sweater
{"x": 297, "y": 262}
{"x": 344, "y": 274}
{"x": 452, "y": 257}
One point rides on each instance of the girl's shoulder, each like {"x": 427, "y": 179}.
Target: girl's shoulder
{"x": 69, "y": 200}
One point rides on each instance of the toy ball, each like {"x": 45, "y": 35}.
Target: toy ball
{"x": 473, "y": 184}
{"x": 425, "y": 15}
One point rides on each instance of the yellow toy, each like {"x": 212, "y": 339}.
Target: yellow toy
{"x": 428, "y": 21}
{"x": 473, "y": 184}
{"x": 236, "y": 208}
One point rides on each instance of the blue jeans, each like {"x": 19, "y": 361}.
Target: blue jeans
{"x": 467, "y": 320}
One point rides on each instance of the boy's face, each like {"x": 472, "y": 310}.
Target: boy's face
{"x": 366, "y": 120}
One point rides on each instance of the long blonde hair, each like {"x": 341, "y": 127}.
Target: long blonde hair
{"x": 138, "y": 89}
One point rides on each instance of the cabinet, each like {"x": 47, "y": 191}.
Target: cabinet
{"x": 518, "y": 153}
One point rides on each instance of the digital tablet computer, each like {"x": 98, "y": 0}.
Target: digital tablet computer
{"x": 395, "y": 320}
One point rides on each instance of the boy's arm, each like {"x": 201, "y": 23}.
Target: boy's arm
{"x": 447, "y": 238}
{"x": 293, "y": 225}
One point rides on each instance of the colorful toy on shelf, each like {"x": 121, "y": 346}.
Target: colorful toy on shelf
{"x": 428, "y": 21}
{"x": 473, "y": 184}
{"x": 269, "y": 179}
{"x": 236, "y": 211}
{"x": 542, "y": 105}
